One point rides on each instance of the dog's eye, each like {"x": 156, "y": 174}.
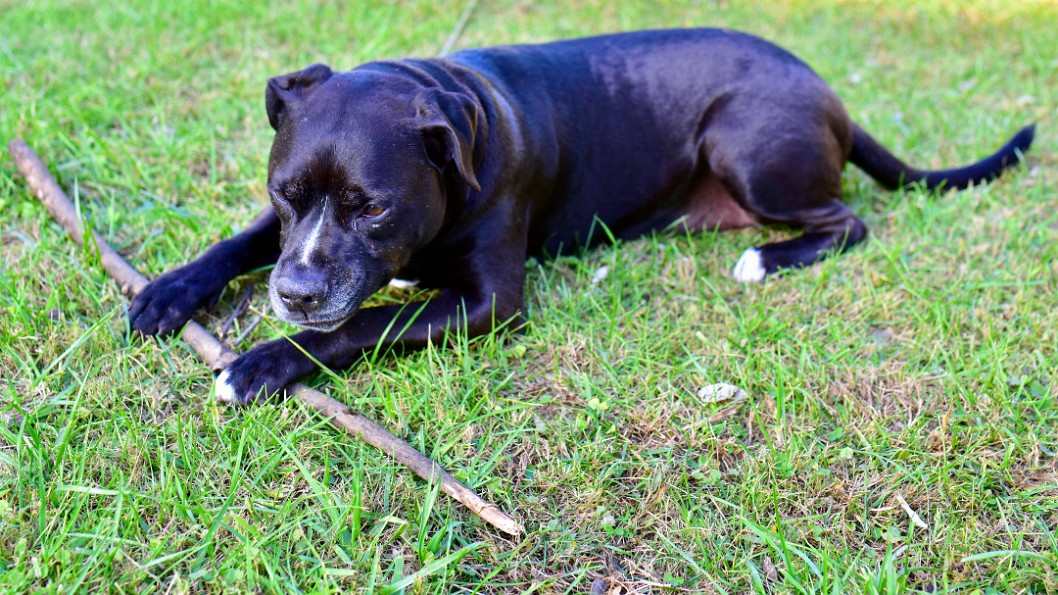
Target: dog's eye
{"x": 278, "y": 197}
{"x": 372, "y": 210}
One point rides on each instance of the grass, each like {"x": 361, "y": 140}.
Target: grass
{"x": 920, "y": 368}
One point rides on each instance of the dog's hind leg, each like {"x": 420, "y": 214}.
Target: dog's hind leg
{"x": 814, "y": 245}
{"x": 168, "y": 302}
{"x": 786, "y": 170}
{"x": 802, "y": 200}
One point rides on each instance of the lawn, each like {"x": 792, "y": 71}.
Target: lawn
{"x": 898, "y": 433}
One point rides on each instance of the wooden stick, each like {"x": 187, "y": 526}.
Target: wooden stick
{"x": 453, "y": 37}
{"x": 217, "y": 356}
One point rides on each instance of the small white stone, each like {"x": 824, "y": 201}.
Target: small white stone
{"x": 600, "y": 275}
{"x": 1024, "y": 101}
{"x": 749, "y": 268}
{"x": 720, "y": 392}
{"x": 223, "y": 390}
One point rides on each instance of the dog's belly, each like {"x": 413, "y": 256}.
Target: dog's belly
{"x": 710, "y": 207}
{"x": 705, "y": 204}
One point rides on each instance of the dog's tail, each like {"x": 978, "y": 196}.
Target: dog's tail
{"x": 892, "y": 173}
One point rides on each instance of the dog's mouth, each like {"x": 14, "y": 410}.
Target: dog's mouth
{"x": 316, "y": 321}
{"x": 323, "y": 326}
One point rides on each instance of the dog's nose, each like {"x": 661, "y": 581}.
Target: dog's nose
{"x": 301, "y": 293}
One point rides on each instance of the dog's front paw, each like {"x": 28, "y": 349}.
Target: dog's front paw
{"x": 261, "y": 373}
{"x": 167, "y": 303}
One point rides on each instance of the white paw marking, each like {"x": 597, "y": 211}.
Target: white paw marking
{"x": 223, "y": 389}
{"x": 749, "y": 268}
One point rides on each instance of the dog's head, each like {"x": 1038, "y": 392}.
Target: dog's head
{"x": 358, "y": 174}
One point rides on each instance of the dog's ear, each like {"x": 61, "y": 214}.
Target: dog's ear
{"x": 288, "y": 88}
{"x": 450, "y": 124}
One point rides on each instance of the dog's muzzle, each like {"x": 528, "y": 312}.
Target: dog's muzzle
{"x": 304, "y": 298}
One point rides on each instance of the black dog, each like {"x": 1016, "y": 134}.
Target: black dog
{"x": 453, "y": 171}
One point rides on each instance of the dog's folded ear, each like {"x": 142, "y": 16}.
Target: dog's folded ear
{"x": 451, "y": 124}
{"x": 285, "y": 89}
